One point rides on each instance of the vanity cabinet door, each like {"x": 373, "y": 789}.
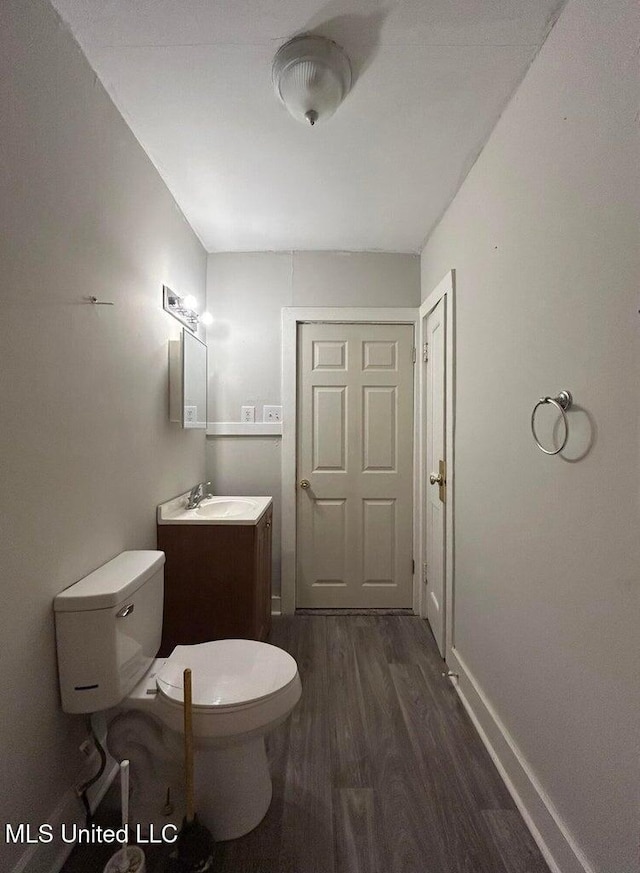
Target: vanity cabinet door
{"x": 217, "y": 582}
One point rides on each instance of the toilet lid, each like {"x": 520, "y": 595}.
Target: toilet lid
{"x": 227, "y": 672}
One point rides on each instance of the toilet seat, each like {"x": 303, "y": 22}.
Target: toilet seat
{"x": 227, "y": 675}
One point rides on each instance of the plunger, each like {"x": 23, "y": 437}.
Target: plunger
{"x": 194, "y": 851}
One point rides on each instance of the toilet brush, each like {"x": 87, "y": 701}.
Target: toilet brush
{"x": 128, "y": 859}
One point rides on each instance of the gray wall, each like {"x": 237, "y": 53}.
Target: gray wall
{"x": 245, "y": 295}
{"x": 87, "y": 449}
{"x": 543, "y": 237}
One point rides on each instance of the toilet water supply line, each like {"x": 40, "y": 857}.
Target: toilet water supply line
{"x": 82, "y": 790}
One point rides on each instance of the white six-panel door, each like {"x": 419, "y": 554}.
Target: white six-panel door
{"x": 355, "y": 465}
{"x": 435, "y": 507}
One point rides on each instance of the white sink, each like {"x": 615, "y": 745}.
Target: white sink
{"x": 225, "y": 507}
{"x": 213, "y": 510}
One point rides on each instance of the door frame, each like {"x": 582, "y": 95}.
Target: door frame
{"x": 444, "y": 289}
{"x": 292, "y": 316}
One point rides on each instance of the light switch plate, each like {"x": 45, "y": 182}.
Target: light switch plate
{"x": 272, "y": 413}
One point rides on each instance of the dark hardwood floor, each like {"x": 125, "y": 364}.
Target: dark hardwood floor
{"x": 378, "y": 770}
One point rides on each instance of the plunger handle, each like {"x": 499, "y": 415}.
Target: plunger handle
{"x": 188, "y": 745}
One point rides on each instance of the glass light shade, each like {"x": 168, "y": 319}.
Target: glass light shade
{"x": 312, "y": 76}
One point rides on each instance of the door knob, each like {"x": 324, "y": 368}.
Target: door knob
{"x": 440, "y": 479}
{"x": 304, "y": 483}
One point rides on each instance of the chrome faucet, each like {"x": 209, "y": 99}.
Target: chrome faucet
{"x": 197, "y": 495}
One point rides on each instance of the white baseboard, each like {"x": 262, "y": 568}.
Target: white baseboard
{"x": 276, "y": 604}
{"x": 50, "y": 857}
{"x": 560, "y": 850}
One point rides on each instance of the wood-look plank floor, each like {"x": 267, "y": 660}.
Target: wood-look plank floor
{"x": 379, "y": 769}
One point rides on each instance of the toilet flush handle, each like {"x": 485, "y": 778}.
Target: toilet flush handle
{"x": 126, "y": 610}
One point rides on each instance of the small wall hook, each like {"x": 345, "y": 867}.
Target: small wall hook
{"x": 97, "y": 302}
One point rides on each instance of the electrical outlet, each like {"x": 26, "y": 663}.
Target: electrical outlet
{"x": 247, "y": 413}
{"x": 272, "y": 413}
{"x": 190, "y": 414}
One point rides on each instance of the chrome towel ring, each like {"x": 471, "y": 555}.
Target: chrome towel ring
{"x": 562, "y": 402}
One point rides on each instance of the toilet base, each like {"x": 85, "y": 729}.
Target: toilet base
{"x": 233, "y": 788}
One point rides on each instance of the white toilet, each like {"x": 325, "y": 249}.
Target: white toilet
{"x": 108, "y": 631}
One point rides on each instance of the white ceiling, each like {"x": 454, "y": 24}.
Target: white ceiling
{"x": 193, "y": 81}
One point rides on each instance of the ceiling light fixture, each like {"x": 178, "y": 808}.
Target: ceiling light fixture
{"x": 312, "y": 76}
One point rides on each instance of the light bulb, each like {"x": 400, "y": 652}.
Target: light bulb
{"x": 189, "y": 302}
{"x": 206, "y": 318}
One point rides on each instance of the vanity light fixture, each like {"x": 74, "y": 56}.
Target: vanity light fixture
{"x": 184, "y": 309}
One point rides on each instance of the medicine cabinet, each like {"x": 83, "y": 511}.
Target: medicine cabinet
{"x": 188, "y": 381}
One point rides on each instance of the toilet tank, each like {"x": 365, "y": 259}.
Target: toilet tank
{"x": 108, "y": 630}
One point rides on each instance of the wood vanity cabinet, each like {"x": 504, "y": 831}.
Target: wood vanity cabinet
{"x": 217, "y": 582}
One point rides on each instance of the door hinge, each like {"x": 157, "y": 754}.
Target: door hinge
{"x": 413, "y": 354}
{"x": 413, "y": 567}
{"x": 424, "y": 572}
{"x": 425, "y": 352}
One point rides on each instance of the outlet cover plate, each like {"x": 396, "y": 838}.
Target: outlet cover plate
{"x": 272, "y": 413}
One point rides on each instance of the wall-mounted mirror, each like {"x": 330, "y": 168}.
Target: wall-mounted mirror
{"x": 188, "y": 381}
